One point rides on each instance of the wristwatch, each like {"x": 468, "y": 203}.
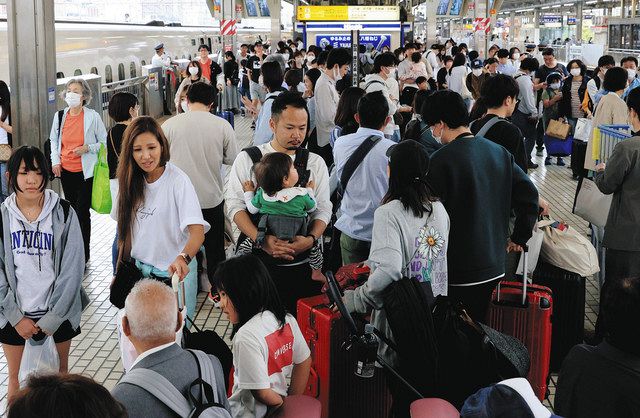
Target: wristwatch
{"x": 186, "y": 257}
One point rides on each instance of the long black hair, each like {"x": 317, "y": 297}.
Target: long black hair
{"x": 248, "y": 285}
{"x": 408, "y": 168}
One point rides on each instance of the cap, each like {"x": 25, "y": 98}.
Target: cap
{"x": 159, "y": 47}
{"x": 477, "y": 63}
{"x": 530, "y": 46}
{"x": 409, "y": 160}
{"x": 258, "y": 43}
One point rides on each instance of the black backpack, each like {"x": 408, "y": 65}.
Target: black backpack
{"x": 47, "y": 147}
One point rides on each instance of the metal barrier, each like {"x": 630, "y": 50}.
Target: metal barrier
{"x": 130, "y": 85}
{"x": 606, "y": 139}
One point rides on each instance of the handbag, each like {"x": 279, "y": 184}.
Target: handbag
{"x": 591, "y": 204}
{"x": 583, "y": 130}
{"x": 558, "y": 129}
{"x": 101, "y": 189}
{"x": 568, "y": 249}
{"x": 5, "y": 152}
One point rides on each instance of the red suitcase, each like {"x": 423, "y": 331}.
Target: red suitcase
{"x": 524, "y": 312}
{"x": 332, "y": 379}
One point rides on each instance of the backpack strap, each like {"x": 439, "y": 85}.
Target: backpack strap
{"x": 356, "y": 159}
{"x": 300, "y": 163}
{"x": 160, "y": 388}
{"x": 60, "y": 115}
{"x": 66, "y": 206}
{"x": 366, "y": 86}
{"x": 254, "y": 153}
{"x": 483, "y": 131}
{"x": 207, "y": 373}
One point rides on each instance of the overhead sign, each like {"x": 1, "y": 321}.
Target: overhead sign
{"x": 482, "y": 24}
{"x": 571, "y": 20}
{"x": 348, "y": 13}
{"x": 344, "y": 41}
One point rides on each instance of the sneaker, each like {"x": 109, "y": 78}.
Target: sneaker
{"x": 539, "y": 152}
{"x": 547, "y": 161}
{"x": 560, "y": 162}
{"x": 532, "y": 165}
{"x": 253, "y": 125}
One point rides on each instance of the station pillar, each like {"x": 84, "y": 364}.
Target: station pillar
{"x": 536, "y": 25}
{"x": 579, "y": 21}
{"x": 32, "y": 69}
{"x": 276, "y": 33}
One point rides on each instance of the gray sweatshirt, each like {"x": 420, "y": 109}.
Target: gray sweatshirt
{"x": 61, "y": 297}
{"x": 402, "y": 245}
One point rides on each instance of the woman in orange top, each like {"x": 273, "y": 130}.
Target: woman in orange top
{"x": 74, "y": 151}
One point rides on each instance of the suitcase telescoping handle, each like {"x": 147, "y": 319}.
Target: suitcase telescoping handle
{"x": 178, "y": 288}
{"x": 525, "y": 259}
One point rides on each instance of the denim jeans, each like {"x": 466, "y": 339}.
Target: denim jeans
{"x": 190, "y": 282}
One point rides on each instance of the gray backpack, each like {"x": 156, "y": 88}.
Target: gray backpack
{"x": 206, "y": 406}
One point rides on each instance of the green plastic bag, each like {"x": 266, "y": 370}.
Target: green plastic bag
{"x": 101, "y": 192}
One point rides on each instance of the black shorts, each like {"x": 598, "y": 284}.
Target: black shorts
{"x": 9, "y": 335}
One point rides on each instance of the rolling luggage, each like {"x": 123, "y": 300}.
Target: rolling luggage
{"x": 568, "y": 311}
{"x": 332, "y": 380}
{"x": 224, "y": 114}
{"x": 524, "y": 312}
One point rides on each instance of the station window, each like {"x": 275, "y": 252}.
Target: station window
{"x": 189, "y": 57}
{"x": 143, "y": 62}
{"x": 193, "y": 42}
{"x": 121, "y": 75}
{"x": 59, "y": 74}
{"x": 94, "y": 70}
{"x": 209, "y": 42}
{"x": 78, "y": 71}
{"x": 108, "y": 74}
{"x": 132, "y": 69}
{"x": 201, "y": 41}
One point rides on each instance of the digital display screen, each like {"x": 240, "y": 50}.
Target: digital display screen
{"x": 443, "y": 6}
{"x": 252, "y": 10}
{"x": 456, "y": 6}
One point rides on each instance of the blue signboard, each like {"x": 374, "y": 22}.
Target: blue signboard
{"x": 344, "y": 41}
{"x": 455, "y": 7}
{"x": 443, "y": 7}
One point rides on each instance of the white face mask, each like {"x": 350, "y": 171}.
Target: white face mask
{"x": 336, "y": 74}
{"x": 193, "y": 70}
{"x": 575, "y": 72}
{"x": 286, "y": 56}
{"x": 477, "y": 72}
{"x": 401, "y": 57}
{"x": 516, "y": 56}
{"x": 392, "y": 71}
{"x": 73, "y": 99}
{"x": 260, "y": 80}
{"x": 555, "y": 86}
{"x": 631, "y": 73}
{"x": 184, "y": 105}
{"x": 437, "y": 138}
{"x": 310, "y": 58}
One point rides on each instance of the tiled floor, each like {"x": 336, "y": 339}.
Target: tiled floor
{"x": 96, "y": 352}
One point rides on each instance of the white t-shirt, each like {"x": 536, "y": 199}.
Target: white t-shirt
{"x": 160, "y": 230}
{"x": 263, "y": 358}
{"x": 4, "y": 139}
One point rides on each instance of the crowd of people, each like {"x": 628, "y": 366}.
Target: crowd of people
{"x": 430, "y": 154}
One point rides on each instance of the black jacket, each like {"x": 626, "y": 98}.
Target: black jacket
{"x": 564, "y": 107}
{"x": 479, "y": 184}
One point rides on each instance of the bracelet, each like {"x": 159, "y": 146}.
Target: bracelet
{"x": 312, "y": 236}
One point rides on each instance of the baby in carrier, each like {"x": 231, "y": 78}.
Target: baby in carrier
{"x": 283, "y": 208}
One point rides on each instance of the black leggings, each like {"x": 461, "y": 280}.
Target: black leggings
{"x": 475, "y": 299}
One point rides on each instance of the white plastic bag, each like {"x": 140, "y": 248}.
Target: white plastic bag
{"x": 583, "y": 129}
{"x": 38, "y": 356}
{"x": 568, "y": 250}
{"x": 534, "y": 244}
{"x": 128, "y": 352}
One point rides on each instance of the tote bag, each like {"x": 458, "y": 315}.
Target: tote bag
{"x": 101, "y": 191}
{"x": 583, "y": 130}
{"x": 591, "y": 204}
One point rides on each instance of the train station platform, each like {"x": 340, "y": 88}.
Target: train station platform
{"x": 96, "y": 352}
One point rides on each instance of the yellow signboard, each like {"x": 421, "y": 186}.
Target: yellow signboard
{"x": 348, "y": 13}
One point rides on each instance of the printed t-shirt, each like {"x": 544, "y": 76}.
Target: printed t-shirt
{"x": 263, "y": 358}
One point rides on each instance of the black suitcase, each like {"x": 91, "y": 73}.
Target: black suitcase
{"x": 568, "y": 311}
{"x": 578, "y": 155}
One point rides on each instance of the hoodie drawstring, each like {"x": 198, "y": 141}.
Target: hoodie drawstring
{"x": 29, "y": 243}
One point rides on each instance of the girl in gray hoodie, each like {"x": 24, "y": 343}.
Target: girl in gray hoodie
{"x": 42, "y": 264}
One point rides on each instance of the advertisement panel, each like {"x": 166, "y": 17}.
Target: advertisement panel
{"x": 348, "y": 13}
{"x": 344, "y": 41}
